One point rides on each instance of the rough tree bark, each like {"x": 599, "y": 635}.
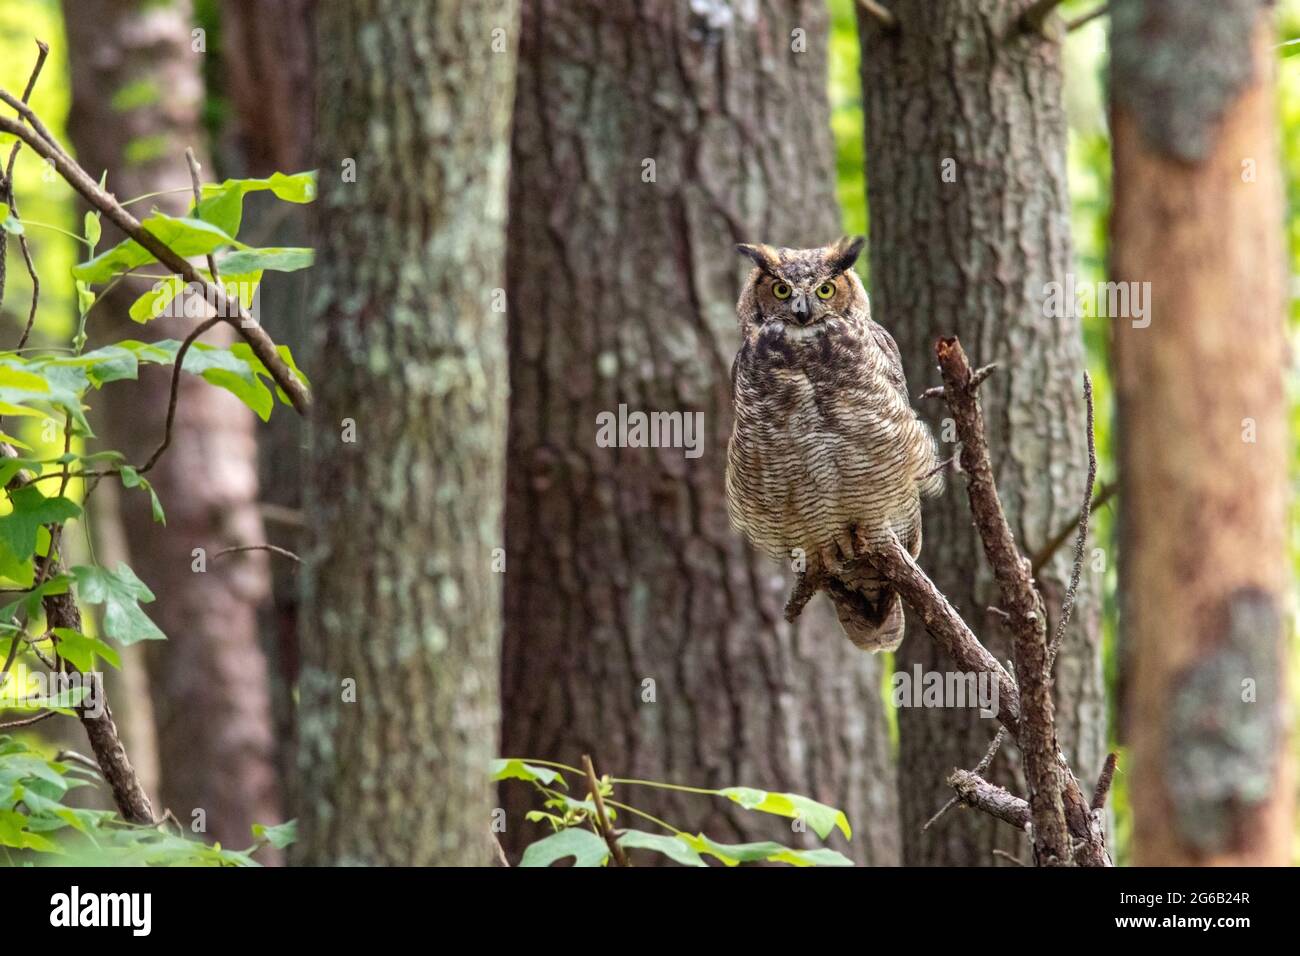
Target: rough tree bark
{"x": 1204, "y": 570}
{"x": 966, "y": 171}
{"x": 401, "y": 611}
{"x": 209, "y": 678}
{"x": 649, "y": 139}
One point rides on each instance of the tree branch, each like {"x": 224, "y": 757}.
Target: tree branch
{"x": 34, "y": 134}
{"x": 974, "y": 791}
{"x": 1023, "y": 605}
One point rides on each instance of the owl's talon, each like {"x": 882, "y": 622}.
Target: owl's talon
{"x": 830, "y": 559}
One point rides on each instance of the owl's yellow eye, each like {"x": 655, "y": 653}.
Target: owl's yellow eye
{"x": 825, "y": 290}
{"x": 781, "y": 290}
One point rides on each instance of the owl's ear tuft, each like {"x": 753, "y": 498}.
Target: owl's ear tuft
{"x": 845, "y": 252}
{"x": 764, "y": 256}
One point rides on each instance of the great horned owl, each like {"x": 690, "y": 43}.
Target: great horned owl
{"x": 826, "y": 454}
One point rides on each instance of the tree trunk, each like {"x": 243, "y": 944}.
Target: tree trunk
{"x": 649, "y": 139}
{"x": 1198, "y": 216}
{"x": 209, "y": 678}
{"x": 267, "y": 69}
{"x": 965, "y": 142}
{"x": 401, "y": 611}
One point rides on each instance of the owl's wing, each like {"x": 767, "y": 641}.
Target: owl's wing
{"x": 894, "y": 365}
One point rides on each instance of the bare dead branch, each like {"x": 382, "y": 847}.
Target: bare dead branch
{"x": 611, "y": 840}
{"x": 945, "y": 625}
{"x": 283, "y": 552}
{"x": 974, "y": 791}
{"x": 1023, "y": 604}
{"x": 1080, "y": 542}
{"x": 1104, "y": 781}
{"x": 230, "y": 309}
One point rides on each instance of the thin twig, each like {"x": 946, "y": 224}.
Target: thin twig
{"x": 284, "y": 552}
{"x": 882, "y": 13}
{"x": 981, "y": 768}
{"x": 175, "y": 390}
{"x": 9, "y": 194}
{"x": 605, "y": 829}
{"x": 1105, "y": 492}
{"x": 228, "y": 308}
{"x": 1080, "y": 543}
{"x": 28, "y": 721}
{"x": 197, "y": 187}
{"x": 1009, "y": 856}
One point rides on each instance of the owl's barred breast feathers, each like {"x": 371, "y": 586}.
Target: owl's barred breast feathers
{"x": 825, "y": 446}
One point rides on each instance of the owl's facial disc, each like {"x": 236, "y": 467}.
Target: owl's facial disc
{"x": 802, "y": 303}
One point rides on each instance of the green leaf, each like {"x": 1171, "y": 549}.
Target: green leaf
{"x": 31, "y": 602}
{"x": 585, "y": 847}
{"x": 14, "y": 832}
{"x": 186, "y": 237}
{"x": 112, "y": 363}
{"x": 155, "y": 300}
{"x": 820, "y": 817}
{"x": 120, "y": 592}
{"x": 81, "y": 649}
{"x": 132, "y": 479}
{"x": 31, "y": 509}
{"x": 675, "y": 848}
{"x": 287, "y": 259}
{"x": 17, "y": 378}
{"x": 279, "y": 836}
{"x": 1290, "y": 47}
{"x": 515, "y": 769}
{"x": 223, "y": 203}
{"x": 222, "y": 367}
{"x": 733, "y": 854}
{"x": 61, "y": 388}
{"x": 90, "y": 228}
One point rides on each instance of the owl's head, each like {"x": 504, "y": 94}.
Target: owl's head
{"x": 803, "y": 287}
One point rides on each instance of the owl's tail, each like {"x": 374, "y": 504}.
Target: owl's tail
{"x": 870, "y": 612}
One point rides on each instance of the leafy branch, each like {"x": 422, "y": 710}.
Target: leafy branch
{"x": 584, "y": 829}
